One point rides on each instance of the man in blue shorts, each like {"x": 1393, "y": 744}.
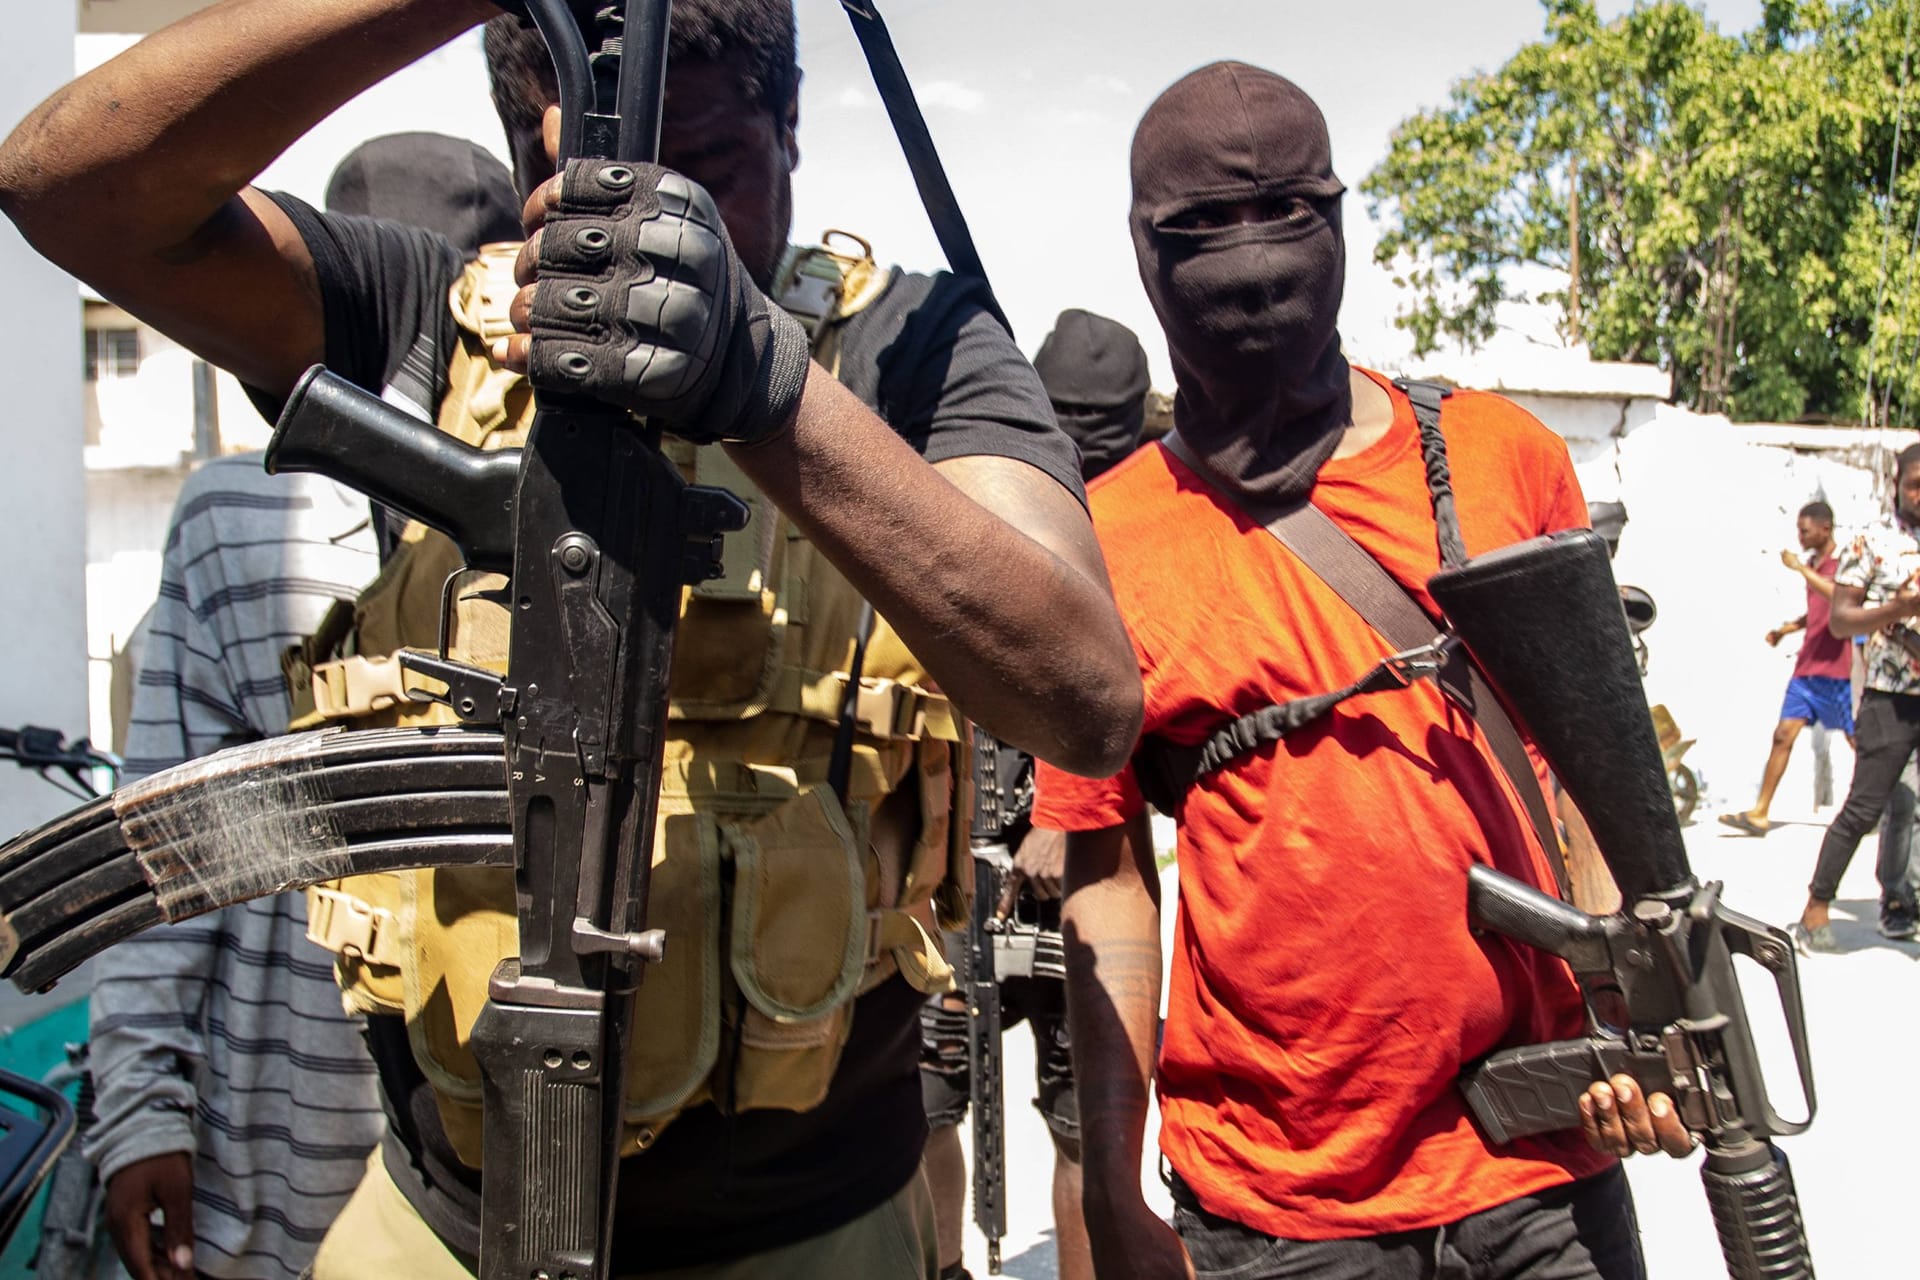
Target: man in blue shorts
{"x": 1820, "y": 691}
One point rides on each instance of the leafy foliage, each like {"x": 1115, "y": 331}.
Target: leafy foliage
{"x": 1733, "y": 219}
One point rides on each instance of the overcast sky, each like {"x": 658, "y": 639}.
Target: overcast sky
{"x": 1032, "y": 104}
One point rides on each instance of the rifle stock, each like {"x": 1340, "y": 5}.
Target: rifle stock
{"x": 1543, "y": 620}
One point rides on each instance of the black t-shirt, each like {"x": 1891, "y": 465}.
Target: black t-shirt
{"x": 931, "y": 359}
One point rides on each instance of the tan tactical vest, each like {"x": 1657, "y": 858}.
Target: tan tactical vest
{"x": 778, "y": 909}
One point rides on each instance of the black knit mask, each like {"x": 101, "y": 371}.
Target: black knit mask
{"x": 1095, "y": 373}
{"x": 1236, "y": 224}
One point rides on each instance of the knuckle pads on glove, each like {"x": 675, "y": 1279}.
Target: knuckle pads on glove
{"x": 643, "y": 305}
{"x": 624, "y": 311}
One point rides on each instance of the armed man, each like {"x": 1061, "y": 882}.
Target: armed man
{"x": 1326, "y": 989}
{"x": 775, "y": 1124}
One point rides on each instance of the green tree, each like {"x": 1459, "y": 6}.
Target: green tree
{"x": 1731, "y": 217}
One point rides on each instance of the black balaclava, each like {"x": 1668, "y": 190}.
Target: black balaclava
{"x": 1095, "y": 372}
{"x": 1249, "y": 310}
{"x": 449, "y": 185}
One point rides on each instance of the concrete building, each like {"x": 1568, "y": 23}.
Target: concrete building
{"x": 153, "y": 412}
{"x": 149, "y": 410}
{"x": 42, "y": 487}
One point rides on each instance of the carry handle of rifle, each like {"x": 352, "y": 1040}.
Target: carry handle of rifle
{"x": 334, "y": 428}
{"x": 1771, "y": 949}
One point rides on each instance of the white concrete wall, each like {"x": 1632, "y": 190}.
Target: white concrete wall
{"x": 43, "y": 678}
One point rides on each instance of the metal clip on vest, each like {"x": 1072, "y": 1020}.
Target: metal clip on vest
{"x": 600, "y": 533}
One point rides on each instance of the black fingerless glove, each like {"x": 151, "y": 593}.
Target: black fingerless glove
{"x": 644, "y": 305}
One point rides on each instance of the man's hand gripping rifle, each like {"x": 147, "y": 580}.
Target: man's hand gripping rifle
{"x": 1543, "y": 621}
{"x": 599, "y": 533}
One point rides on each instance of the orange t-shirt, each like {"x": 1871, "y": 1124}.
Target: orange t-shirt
{"x": 1325, "y": 989}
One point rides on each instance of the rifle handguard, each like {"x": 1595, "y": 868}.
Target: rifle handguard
{"x": 1543, "y": 620}
{"x": 1756, "y": 1212}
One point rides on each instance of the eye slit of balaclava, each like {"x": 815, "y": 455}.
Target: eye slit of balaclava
{"x": 1250, "y": 308}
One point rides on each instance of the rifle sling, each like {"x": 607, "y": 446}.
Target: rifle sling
{"x": 1358, "y": 579}
{"x": 910, "y": 126}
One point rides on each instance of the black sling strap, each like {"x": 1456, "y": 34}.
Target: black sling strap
{"x": 1166, "y": 771}
{"x": 929, "y": 175}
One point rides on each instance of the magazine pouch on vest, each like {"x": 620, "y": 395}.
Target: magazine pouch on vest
{"x": 782, "y": 903}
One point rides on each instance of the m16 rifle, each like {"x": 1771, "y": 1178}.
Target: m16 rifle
{"x": 1006, "y": 938}
{"x": 993, "y": 823}
{"x": 1543, "y": 621}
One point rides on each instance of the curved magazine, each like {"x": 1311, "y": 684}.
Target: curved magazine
{"x": 268, "y": 817}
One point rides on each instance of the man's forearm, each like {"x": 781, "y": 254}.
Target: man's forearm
{"x": 153, "y": 145}
{"x": 1850, "y": 620}
{"x": 144, "y": 1022}
{"x": 986, "y": 568}
{"x": 1111, "y": 924}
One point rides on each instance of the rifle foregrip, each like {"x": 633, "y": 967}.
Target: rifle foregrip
{"x": 1536, "y": 1089}
{"x": 1757, "y": 1213}
{"x": 334, "y": 428}
{"x": 542, "y": 1095}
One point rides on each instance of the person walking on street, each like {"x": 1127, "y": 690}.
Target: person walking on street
{"x": 1820, "y": 691}
{"x": 1876, "y": 594}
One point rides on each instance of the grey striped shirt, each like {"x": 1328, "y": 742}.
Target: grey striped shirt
{"x": 224, "y": 1036}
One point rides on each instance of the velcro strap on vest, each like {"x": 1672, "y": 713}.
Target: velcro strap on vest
{"x": 346, "y": 926}
{"x": 884, "y": 709}
{"x": 920, "y": 958}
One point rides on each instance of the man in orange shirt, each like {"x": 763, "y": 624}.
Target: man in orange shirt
{"x": 1326, "y": 990}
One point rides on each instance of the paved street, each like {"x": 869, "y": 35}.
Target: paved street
{"x": 1853, "y": 1167}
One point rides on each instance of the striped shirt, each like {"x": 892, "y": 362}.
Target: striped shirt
{"x": 223, "y": 1036}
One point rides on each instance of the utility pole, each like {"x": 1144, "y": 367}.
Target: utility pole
{"x": 1573, "y": 249}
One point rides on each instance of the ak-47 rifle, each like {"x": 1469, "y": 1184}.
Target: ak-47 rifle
{"x": 601, "y": 535}
{"x": 1544, "y": 622}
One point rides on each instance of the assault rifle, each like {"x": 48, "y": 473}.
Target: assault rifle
{"x": 993, "y": 821}
{"x": 1544, "y": 622}
{"x": 600, "y": 534}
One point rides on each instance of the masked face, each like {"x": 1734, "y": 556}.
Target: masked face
{"x": 1236, "y": 225}
{"x": 1095, "y": 373}
{"x": 1249, "y": 288}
